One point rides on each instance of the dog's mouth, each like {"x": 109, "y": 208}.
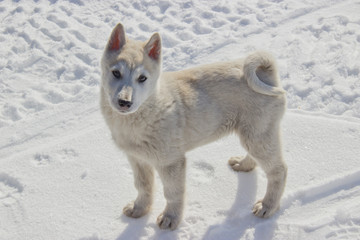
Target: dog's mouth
{"x": 124, "y": 111}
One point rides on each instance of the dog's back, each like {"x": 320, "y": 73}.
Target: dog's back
{"x": 216, "y": 99}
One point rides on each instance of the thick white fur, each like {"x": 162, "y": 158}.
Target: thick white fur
{"x": 174, "y": 112}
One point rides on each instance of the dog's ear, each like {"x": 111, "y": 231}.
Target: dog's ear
{"x": 153, "y": 47}
{"x": 117, "y": 39}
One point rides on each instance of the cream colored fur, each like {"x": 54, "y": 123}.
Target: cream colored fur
{"x": 157, "y": 121}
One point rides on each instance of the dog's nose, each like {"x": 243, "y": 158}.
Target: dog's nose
{"x": 124, "y": 103}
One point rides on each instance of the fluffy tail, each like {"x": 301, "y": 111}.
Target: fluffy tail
{"x": 261, "y": 74}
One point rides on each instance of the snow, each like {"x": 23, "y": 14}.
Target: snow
{"x": 61, "y": 177}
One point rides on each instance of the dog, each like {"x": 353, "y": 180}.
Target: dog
{"x": 156, "y": 117}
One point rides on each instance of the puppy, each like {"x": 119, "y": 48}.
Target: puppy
{"x": 155, "y": 118}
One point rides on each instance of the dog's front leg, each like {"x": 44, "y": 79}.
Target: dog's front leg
{"x": 173, "y": 179}
{"x": 144, "y": 181}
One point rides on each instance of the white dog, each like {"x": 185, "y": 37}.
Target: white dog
{"x": 155, "y": 118}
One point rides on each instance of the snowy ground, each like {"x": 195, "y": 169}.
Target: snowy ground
{"x": 61, "y": 177}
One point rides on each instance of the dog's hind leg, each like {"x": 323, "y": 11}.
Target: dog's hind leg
{"x": 173, "y": 179}
{"x": 144, "y": 181}
{"x": 265, "y": 149}
{"x": 242, "y": 164}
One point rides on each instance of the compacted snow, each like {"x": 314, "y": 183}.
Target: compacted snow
{"x": 61, "y": 177}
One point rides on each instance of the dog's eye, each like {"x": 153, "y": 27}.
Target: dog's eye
{"x": 116, "y": 74}
{"x": 142, "y": 78}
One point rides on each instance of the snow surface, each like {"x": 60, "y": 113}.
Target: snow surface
{"x": 61, "y": 177}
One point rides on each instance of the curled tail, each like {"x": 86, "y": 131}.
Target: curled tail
{"x": 261, "y": 74}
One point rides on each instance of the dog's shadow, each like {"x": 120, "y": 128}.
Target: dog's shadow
{"x": 240, "y": 220}
{"x": 135, "y": 228}
{"x": 140, "y": 227}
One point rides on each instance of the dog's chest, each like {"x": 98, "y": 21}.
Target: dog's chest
{"x": 140, "y": 140}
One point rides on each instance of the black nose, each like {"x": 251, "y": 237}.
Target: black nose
{"x": 124, "y": 103}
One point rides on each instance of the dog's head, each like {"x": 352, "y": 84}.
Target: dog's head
{"x": 130, "y": 70}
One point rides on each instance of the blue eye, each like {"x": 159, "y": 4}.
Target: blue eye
{"x": 142, "y": 78}
{"x": 116, "y": 74}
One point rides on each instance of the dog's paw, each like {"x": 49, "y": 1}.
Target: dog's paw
{"x": 262, "y": 210}
{"x": 243, "y": 164}
{"x": 135, "y": 211}
{"x": 167, "y": 221}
